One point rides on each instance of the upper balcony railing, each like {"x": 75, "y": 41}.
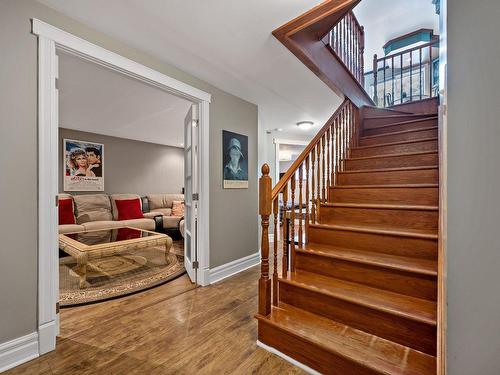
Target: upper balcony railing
{"x": 405, "y": 76}
{"x": 347, "y": 40}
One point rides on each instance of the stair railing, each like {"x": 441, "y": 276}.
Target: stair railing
{"x": 313, "y": 173}
{"x": 406, "y": 76}
{"x": 347, "y": 40}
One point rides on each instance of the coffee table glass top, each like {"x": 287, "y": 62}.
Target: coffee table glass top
{"x": 98, "y": 237}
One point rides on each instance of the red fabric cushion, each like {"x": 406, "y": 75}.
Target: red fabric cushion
{"x": 129, "y": 209}
{"x": 127, "y": 234}
{"x": 66, "y": 215}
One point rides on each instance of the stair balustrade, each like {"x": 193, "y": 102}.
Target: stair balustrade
{"x": 347, "y": 40}
{"x": 298, "y": 195}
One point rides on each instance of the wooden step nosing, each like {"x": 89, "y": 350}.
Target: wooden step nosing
{"x": 355, "y": 301}
{"x": 395, "y": 186}
{"x": 379, "y": 264}
{"x": 404, "y": 122}
{"x": 376, "y": 206}
{"x": 398, "y": 132}
{"x": 335, "y": 350}
{"x": 402, "y": 154}
{"x": 420, "y": 140}
{"x": 372, "y": 230}
{"x": 401, "y": 169}
{"x": 400, "y": 115}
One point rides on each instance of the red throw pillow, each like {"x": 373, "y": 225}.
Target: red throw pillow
{"x": 66, "y": 214}
{"x": 129, "y": 209}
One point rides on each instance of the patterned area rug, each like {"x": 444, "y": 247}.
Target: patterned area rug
{"x": 119, "y": 275}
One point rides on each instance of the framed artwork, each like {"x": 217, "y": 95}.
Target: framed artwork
{"x": 235, "y": 160}
{"x": 83, "y": 165}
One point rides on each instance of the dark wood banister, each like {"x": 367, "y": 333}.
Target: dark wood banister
{"x": 300, "y": 159}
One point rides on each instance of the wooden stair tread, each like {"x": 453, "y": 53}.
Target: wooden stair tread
{"x": 398, "y": 132}
{"x": 399, "y": 232}
{"x": 398, "y": 115}
{"x": 431, "y": 117}
{"x": 393, "y": 155}
{"x": 389, "y": 169}
{"x": 395, "y": 186}
{"x": 380, "y": 355}
{"x": 412, "y": 308}
{"x": 383, "y": 206}
{"x": 414, "y": 265}
{"x": 420, "y": 140}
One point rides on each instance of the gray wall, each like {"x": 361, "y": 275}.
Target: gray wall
{"x": 132, "y": 166}
{"x": 233, "y": 213}
{"x": 473, "y": 187}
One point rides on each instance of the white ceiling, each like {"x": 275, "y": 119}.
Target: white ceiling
{"x": 99, "y": 100}
{"x": 224, "y": 42}
{"x": 386, "y": 19}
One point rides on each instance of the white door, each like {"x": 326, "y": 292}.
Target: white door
{"x": 191, "y": 192}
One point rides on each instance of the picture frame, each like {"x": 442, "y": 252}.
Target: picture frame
{"x": 83, "y": 165}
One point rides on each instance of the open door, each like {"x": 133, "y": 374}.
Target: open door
{"x": 191, "y": 192}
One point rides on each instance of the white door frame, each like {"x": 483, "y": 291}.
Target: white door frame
{"x": 277, "y": 143}
{"x": 51, "y": 38}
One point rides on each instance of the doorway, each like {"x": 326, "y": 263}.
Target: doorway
{"x": 51, "y": 40}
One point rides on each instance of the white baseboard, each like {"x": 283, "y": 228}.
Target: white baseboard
{"x": 47, "y": 337}
{"x": 232, "y": 268}
{"x": 287, "y": 358}
{"x": 17, "y": 351}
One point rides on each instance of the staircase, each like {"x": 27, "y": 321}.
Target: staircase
{"x": 357, "y": 291}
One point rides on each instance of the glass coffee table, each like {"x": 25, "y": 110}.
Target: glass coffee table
{"x": 96, "y": 244}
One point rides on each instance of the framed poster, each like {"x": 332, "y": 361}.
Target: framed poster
{"x": 83, "y": 165}
{"x": 235, "y": 160}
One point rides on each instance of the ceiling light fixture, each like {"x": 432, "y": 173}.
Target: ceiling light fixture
{"x": 305, "y": 125}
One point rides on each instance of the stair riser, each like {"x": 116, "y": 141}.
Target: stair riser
{"x": 421, "y": 160}
{"x": 419, "y": 176}
{"x": 408, "y": 283}
{"x": 420, "y": 146}
{"x": 400, "y": 195}
{"x": 313, "y": 356}
{"x": 370, "y": 123}
{"x": 383, "y": 243}
{"x": 377, "y": 112}
{"x": 413, "y": 136}
{"x": 382, "y": 218}
{"x": 401, "y": 127}
{"x": 402, "y": 330}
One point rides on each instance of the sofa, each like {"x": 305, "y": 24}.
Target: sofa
{"x": 101, "y": 211}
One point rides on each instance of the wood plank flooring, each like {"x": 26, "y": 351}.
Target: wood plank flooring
{"x": 165, "y": 330}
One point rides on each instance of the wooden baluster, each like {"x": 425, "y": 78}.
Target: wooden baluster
{"x": 284, "y": 257}
{"x": 318, "y": 181}
{"x": 264, "y": 211}
{"x": 292, "y": 220}
{"x": 420, "y": 72}
{"x": 384, "y": 84}
{"x": 362, "y": 55}
{"x": 334, "y": 152}
{"x": 275, "y": 252}
{"x": 329, "y": 163}
{"x": 307, "y": 218}
{"x": 300, "y": 203}
{"x": 401, "y": 78}
{"x": 430, "y": 71}
{"x": 313, "y": 186}
{"x": 411, "y": 75}
{"x": 323, "y": 169}
{"x": 392, "y": 80}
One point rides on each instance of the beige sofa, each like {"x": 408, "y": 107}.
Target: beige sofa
{"x": 99, "y": 211}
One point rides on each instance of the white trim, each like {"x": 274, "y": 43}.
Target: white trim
{"x": 232, "y": 268}
{"x": 18, "y": 351}
{"x": 287, "y": 358}
{"x": 51, "y": 38}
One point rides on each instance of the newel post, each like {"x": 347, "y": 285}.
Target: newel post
{"x": 265, "y": 209}
{"x": 375, "y": 79}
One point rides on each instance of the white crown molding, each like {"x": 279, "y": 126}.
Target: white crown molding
{"x": 17, "y": 351}
{"x": 232, "y": 268}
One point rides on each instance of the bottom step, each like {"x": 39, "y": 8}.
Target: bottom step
{"x": 334, "y": 348}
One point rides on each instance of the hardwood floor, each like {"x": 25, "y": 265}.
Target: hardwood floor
{"x": 208, "y": 330}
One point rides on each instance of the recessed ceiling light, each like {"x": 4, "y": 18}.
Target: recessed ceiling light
{"x": 305, "y": 125}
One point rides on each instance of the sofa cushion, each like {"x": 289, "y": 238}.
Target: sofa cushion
{"x": 70, "y": 228}
{"x": 181, "y": 227}
{"x": 163, "y": 200}
{"x": 114, "y": 197}
{"x": 128, "y": 209}
{"x": 146, "y": 224}
{"x": 92, "y": 207}
{"x": 103, "y": 224}
{"x": 66, "y": 211}
{"x": 178, "y": 208}
{"x": 152, "y": 214}
{"x": 164, "y": 211}
{"x": 171, "y": 222}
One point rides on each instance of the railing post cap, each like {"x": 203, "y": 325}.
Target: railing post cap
{"x": 265, "y": 170}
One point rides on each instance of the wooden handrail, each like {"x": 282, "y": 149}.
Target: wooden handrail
{"x": 300, "y": 159}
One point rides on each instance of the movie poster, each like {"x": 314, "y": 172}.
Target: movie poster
{"x": 235, "y": 160}
{"x": 83, "y": 166}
